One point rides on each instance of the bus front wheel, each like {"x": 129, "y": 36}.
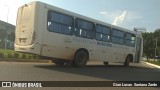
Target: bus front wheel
{"x": 127, "y": 61}
{"x": 80, "y": 58}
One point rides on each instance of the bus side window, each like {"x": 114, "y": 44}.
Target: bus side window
{"x": 84, "y": 29}
{"x": 117, "y": 36}
{"x": 130, "y": 39}
{"x": 102, "y": 33}
{"x": 60, "y": 23}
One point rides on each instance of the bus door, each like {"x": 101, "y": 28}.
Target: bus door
{"x": 138, "y": 50}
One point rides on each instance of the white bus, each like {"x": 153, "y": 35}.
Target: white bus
{"x": 73, "y": 39}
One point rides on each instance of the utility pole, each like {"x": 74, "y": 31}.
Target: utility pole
{"x": 155, "y": 50}
{"x": 7, "y": 12}
{"x": 5, "y": 46}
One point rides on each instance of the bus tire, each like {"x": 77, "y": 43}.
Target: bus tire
{"x": 80, "y": 58}
{"x": 106, "y": 63}
{"x": 127, "y": 61}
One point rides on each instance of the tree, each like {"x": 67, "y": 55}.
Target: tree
{"x": 157, "y": 37}
{"x": 149, "y": 43}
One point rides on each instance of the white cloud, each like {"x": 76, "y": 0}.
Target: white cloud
{"x": 103, "y": 12}
{"x": 110, "y": 16}
{"x": 119, "y": 19}
{"x": 125, "y": 19}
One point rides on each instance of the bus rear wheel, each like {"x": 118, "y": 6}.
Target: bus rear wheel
{"x": 80, "y": 58}
{"x": 127, "y": 61}
{"x": 106, "y": 63}
{"x": 59, "y": 62}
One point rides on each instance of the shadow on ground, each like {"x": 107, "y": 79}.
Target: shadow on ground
{"x": 111, "y": 72}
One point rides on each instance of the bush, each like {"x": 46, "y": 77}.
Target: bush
{"x": 10, "y": 55}
{"x": 35, "y": 56}
{"x": 16, "y": 55}
{"x": 155, "y": 62}
{"x": 23, "y": 56}
{"x": 30, "y": 56}
{"x": 1, "y": 55}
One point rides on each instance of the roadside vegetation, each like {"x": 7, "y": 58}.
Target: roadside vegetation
{"x": 157, "y": 62}
{"x": 17, "y": 55}
{"x": 151, "y": 44}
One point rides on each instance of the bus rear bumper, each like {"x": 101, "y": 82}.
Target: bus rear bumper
{"x": 35, "y": 48}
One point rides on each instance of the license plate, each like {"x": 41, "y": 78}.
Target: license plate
{"x": 22, "y": 48}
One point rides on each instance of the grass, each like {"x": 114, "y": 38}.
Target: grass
{"x": 155, "y": 62}
{"x": 16, "y": 55}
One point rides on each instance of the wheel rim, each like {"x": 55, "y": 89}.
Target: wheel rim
{"x": 82, "y": 58}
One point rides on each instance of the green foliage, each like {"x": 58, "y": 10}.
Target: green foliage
{"x": 1, "y": 55}
{"x": 10, "y": 55}
{"x": 23, "y": 56}
{"x": 35, "y": 56}
{"x": 149, "y": 44}
{"x": 16, "y": 55}
{"x": 155, "y": 62}
{"x": 30, "y": 56}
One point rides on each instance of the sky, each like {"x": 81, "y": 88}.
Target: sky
{"x": 123, "y": 13}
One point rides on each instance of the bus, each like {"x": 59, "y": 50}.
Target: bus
{"x": 73, "y": 39}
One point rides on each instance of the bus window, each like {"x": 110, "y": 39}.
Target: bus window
{"x": 60, "y": 23}
{"x": 102, "y": 33}
{"x": 117, "y": 36}
{"x": 130, "y": 39}
{"x": 84, "y": 29}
